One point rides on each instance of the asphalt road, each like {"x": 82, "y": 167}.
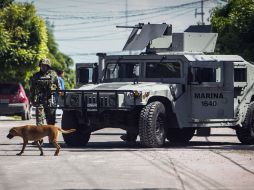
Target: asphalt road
{"x": 216, "y": 162}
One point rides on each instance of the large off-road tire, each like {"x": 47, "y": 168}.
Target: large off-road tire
{"x": 176, "y": 135}
{"x": 245, "y": 134}
{"x": 78, "y": 138}
{"x": 152, "y": 124}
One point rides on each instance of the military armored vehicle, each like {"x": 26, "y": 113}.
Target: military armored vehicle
{"x": 167, "y": 92}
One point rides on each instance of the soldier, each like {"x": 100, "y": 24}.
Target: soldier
{"x": 41, "y": 84}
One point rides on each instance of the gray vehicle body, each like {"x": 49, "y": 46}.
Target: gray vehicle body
{"x": 218, "y": 101}
{"x": 197, "y": 90}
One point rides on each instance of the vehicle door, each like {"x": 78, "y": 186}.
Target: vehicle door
{"x": 211, "y": 90}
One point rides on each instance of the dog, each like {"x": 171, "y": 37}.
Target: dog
{"x": 36, "y": 133}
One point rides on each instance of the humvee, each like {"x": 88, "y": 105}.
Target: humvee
{"x": 167, "y": 92}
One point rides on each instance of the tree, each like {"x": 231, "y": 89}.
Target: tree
{"x": 235, "y": 24}
{"x": 59, "y": 60}
{"x": 5, "y": 3}
{"x": 24, "y": 39}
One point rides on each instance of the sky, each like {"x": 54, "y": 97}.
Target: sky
{"x": 83, "y": 28}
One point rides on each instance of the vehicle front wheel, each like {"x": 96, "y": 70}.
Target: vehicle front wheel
{"x": 152, "y": 125}
{"x": 176, "y": 135}
{"x": 245, "y": 134}
{"x": 78, "y": 138}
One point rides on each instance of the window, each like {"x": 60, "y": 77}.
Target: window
{"x": 240, "y": 74}
{"x": 200, "y": 74}
{"x": 163, "y": 70}
{"x": 9, "y": 89}
{"x": 83, "y": 75}
{"x": 122, "y": 70}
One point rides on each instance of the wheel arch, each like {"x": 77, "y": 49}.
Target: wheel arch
{"x": 172, "y": 119}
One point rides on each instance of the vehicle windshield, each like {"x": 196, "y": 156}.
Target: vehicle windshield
{"x": 122, "y": 70}
{"x": 147, "y": 71}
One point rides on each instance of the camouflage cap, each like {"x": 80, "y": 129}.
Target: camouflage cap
{"x": 45, "y": 61}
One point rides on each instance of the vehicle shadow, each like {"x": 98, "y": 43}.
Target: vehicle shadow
{"x": 123, "y": 146}
{"x": 118, "y": 146}
{"x": 131, "y": 189}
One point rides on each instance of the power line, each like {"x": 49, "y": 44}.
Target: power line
{"x": 96, "y": 37}
{"x": 130, "y": 20}
{"x": 142, "y": 12}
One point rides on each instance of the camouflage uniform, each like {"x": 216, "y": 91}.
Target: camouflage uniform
{"x": 41, "y": 85}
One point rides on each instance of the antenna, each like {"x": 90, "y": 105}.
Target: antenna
{"x": 201, "y": 13}
{"x": 126, "y": 12}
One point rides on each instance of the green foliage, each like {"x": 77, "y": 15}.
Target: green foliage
{"x": 235, "y": 24}
{"x": 59, "y": 60}
{"x": 23, "y": 40}
{"x": 5, "y": 3}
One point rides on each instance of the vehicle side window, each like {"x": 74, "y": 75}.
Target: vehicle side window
{"x": 83, "y": 75}
{"x": 7, "y": 89}
{"x": 200, "y": 74}
{"x": 240, "y": 74}
{"x": 163, "y": 70}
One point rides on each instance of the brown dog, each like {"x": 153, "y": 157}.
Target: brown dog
{"x": 36, "y": 133}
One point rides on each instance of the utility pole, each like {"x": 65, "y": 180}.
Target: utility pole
{"x": 201, "y": 13}
{"x": 126, "y": 13}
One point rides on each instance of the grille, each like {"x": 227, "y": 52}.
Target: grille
{"x": 104, "y": 101}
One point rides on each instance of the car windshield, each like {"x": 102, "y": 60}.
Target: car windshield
{"x": 9, "y": 89}
{"x": 122, "y": 70}
{"x": 163, "y": 70}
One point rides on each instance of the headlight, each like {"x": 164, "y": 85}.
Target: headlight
{"x": 74, "y": 100}
{"x": 145, "y": 95}
{"x": 61, "y": 94}
{"x": 135, "y": 94}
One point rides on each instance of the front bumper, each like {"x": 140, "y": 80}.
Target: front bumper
{"x": 12, "y": 109}
{"x": 96, "y": 100}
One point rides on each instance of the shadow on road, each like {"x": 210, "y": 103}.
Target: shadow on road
{"x": 130, "y": 189}
{"x": 116, "y": 146}
{"x": 123, "y": 146}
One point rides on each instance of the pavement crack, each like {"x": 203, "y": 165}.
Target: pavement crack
{"x": 231, "y": 160}
{"x": 234, "y": 162}
{"x": 176, "y": 173}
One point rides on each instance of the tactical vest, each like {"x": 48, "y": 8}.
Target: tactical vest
{"x": 42, "y": 86}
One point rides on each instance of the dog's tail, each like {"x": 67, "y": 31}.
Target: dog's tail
{"x": 66, "y": 131}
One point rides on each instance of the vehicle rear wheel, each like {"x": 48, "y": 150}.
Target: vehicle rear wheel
{"x": 245, "y": 134}
{"x": 152, "y": 125}
{"x": 78, "y": 138}
{"x": 176, "y": 135}
{"x": 25, "y": 115}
